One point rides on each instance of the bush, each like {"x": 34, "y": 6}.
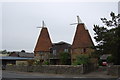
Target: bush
{"x": 37, "y": 62}
{"x": 94, "y": 55}
{"x": 109, "y": 59}
{"x": 64, "y": 58}
{"x": 82, "y": 59}
{"x": 46, "y": 63}
{"x": 100, "y": 62}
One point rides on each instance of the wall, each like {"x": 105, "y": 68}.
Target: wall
{"x": 113, "y": 70}
{"x": 21, "y": 63}
{"x": 54, "y": 69}
{"x": 42, "y": 55}
{"x": 60, "y": 47}
{"x": 81, "y": 51}
{"x": 14, "y": 54}
{"x": 78, "y": 51}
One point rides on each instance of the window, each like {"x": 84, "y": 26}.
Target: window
{"x": 54, "y": 52}
{"x": 65, "y": 50}
{"x": 83, "y": 50}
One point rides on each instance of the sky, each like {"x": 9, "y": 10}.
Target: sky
{"x": 20, "y": 19}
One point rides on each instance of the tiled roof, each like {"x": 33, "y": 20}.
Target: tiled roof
{"x": 14, "y": 58}
{"x": 105, "y": 56}
{"x": 82, "y": 37}
{"x": 60, "y": 43}
{"x": 44, "y": 42}
{"x": 24, "y": 54}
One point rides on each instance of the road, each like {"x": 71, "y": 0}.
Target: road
{"x": 12, "y": 75}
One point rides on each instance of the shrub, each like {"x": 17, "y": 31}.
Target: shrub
{"x": 109, "y": 59}
{"x": 46, "y": 63}
{"x": 37, "y": 62}
{"x": 64, "y": 58}
{"x": 100, "y": 62}
{"x": 82, "y": 59}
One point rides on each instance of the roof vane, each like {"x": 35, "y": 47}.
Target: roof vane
{"x": 43, "y": 25}
{"x": 78, "y": 21}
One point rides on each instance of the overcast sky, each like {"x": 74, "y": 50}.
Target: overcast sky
{"x": 19, "y": 21}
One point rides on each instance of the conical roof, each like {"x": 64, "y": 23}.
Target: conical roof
{"x": 82, "y": 38}
{"x": 44, "y": 42}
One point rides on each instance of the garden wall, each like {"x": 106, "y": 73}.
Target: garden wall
{"x": 113, "y": 70}
{"x": 55, "y": 69}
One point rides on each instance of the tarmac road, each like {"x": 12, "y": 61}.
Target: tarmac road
{"x": 12, "y": 75}
{"x": 57, "y": 79}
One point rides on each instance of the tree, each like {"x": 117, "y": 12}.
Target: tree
{"x": 108, "y": 37}
{"x": 64, "y": 58}
{"x": 23, "y": 51}
{"x": 4, "y": 52}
